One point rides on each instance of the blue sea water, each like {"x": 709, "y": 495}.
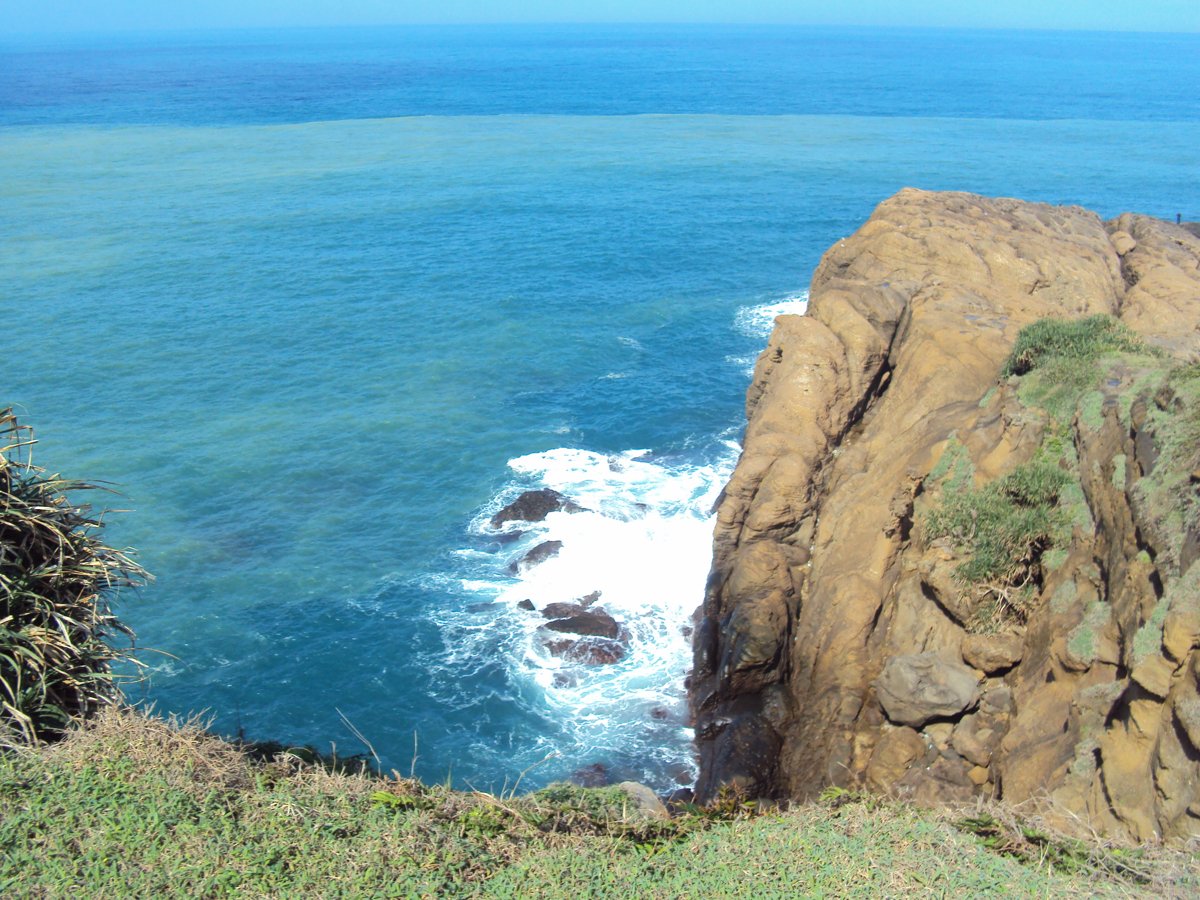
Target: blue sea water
{"x": 321, "y": 302}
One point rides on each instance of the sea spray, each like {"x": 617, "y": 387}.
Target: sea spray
{"x": 638, "y": 550}
{"x": 634, "y": 543}
{"x": 757, "y": 322}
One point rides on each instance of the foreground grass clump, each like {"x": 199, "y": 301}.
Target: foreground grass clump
{"x": 136, "y": 807}
{"x": 57, "y": 580}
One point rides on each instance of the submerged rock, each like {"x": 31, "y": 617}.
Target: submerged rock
{"x": 562, "y": 610}
{"x": 595, "y": 775}
{"x": 599, "y": 639}
{"x": 588, "y": 651}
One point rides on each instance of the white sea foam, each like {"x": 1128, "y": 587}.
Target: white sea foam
{"x": 757, "y": 321}
{"x": 643, "y": 540}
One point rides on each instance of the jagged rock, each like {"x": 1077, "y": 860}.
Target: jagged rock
{"x": 680, "y": 799}
{"x": 1187, "y": 713}
{"x": 745, "y": 749}
{"x": 526, "y": 604}
{"x": 1154, "y": 674}
{"x": 593, "y": 622}
{"x": 997, "y": 699}
{"x": 754, "y": 637}
{"x": 534, "y": 506}
{"x": 898, "y": 749}
{"x": 916, "y": 688}
{"x": 992, "y": 652}
{"x": 562, "y": 610}
{"x": 939, "y": 733}
{"x": 588, "y": 651}
{"x": 975, "y": 739}
{"x": 644, "y": 803}
{"x": 945, "y": 780}
{"x": 539, "y": 554}
{"x": 1181, "y": 632}
{"x": 1122, "y": 242}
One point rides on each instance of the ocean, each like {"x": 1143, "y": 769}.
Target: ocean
{"x": 319, "y": 303}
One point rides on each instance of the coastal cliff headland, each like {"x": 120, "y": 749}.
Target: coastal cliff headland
{"x": 956, "y": 558}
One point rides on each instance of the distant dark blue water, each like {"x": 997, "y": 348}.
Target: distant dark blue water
{"x": 321, "y": 302}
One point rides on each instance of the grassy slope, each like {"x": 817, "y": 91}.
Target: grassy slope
{"x": 136, "y": 807}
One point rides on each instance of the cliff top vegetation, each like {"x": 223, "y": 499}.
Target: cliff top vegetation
{"x": 136, "y": 806}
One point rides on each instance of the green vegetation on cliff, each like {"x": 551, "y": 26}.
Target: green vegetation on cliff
{"x": 136, "y": 807}
{"x": 1013, "y": 528}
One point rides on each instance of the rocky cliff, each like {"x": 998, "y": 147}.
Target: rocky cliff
{"x": 956, "y": 556}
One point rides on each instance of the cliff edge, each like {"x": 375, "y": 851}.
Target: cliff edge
{"x": 956, "y": 556}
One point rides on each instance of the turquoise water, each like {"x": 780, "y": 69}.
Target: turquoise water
{"x": 307, "y": 350}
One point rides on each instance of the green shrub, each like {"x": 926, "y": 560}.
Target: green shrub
{"x": 57, "y": 581}
{"x": 1005, "y": 525}
{"x": 1069, "y": 340}
{"x": 1059, "y": 361}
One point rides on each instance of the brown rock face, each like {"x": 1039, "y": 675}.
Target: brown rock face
{"x": 863, "y": 416}
{"x": 992, "y": 653}
{"x": 916, "y": 688}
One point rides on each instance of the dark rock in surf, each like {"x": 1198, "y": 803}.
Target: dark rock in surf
{"x": 588, "y": 651}
{"x": 539, "y": 554}
{"x": 561, "y": 610}
{"x": 595, "y": 775}
{"x": 595, "y": 623}
{"x": 534, "y": 506}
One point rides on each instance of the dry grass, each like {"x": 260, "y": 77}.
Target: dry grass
{"x": 1044, "y": 835}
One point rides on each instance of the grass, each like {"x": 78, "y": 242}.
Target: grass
{"x": 1004, "y": 526}
{"x": 57, "y": 582}
{"x": 1167, "y": 492}
{"x": 135, "y": 806}
{"x": 1013, "y": 529}
{"x": 1059, "y": 360}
